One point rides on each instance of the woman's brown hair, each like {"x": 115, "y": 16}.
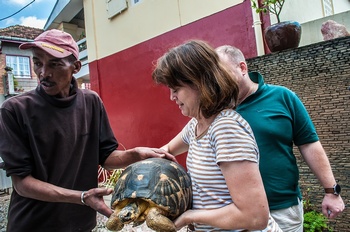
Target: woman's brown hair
{"x": 197, "y": 64}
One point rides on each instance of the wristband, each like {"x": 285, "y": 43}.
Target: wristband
{"x": 82, "y": 198}
{"x": 336, "y": 189}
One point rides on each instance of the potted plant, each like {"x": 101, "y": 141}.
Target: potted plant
{"x": 281, "y": 35}
{"x": 8, "y": 69}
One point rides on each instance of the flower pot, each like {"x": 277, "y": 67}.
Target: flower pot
{"x": 284, "y": 35}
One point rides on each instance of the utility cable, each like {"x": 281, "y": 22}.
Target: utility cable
{"x": 17, "y": 11}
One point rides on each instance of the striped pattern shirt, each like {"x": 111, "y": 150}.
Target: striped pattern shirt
{"x": 229, "y": 138}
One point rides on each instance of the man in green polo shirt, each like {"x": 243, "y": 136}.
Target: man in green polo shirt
{"x": 279, "y": 120}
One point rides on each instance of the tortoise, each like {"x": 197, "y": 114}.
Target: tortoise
{"x": 154, "y": 190}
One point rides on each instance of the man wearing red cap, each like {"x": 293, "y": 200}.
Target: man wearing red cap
{"x": 52, "y": 140}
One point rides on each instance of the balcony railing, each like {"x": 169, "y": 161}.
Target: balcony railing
{"x": 83, "y": 57}
{"x": 82, "y": 49}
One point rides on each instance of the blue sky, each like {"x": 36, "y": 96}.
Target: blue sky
{"x": 34, "y": 15}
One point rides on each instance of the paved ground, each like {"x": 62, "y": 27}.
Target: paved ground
{"x": 5, "y": 200}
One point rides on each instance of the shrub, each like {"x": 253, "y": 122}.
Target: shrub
{"x": 315, "y": 222}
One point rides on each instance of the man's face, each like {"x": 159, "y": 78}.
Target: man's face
{"x": 55, "y": 74}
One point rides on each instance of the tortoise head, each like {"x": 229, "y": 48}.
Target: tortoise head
{"x": 133, "y": 211}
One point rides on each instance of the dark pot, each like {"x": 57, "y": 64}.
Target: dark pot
{"x": 8, "y": 69}
{"x": 284, "y": 35}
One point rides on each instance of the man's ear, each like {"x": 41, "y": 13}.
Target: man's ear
{"x": 243, "y": 66}
{"x": 77, "y": 66}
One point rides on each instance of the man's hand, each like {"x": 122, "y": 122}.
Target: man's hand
{"x": 121, "y": 159}
{"x": 94, "y": 199}
{"x": 146, "y": 152}
{"x": 332, "y": 205}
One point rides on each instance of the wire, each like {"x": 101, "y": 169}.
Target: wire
{"x": 17, "y": 11}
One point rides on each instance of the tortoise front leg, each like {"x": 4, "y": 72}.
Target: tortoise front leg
{"x": 114, "y": 223}
{"x": 158, "y": 222}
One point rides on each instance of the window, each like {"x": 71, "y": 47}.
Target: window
{"x": 20, "y": 66}
{"x": 327, "y": 7}
{"x": 115, "y": 7}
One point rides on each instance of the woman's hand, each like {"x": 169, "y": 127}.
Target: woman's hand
{"x": 184, "y": 219}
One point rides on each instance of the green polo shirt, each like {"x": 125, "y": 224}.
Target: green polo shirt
{"x": 278, "y": 119}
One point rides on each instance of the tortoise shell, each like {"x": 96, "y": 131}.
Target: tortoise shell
{"x": 156, "y": 180}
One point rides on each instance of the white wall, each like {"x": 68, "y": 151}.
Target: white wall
{"x": 311, "y": 31}
{"x": 308, "y": 10}
{"x": 309, "y": 13}
{"x": 141, "y": 22}
{"x": 341, "y": 6}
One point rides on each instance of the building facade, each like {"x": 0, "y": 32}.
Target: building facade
{"x": 125, "y": 37}
{"x": 16, "y": 72}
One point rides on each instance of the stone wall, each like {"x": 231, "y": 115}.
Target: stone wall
{"x": 320, "y": 75}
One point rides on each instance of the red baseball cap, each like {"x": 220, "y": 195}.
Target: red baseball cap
{"x": 55, "y": 42}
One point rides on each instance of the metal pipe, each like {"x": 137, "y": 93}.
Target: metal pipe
{"x": 258, "y": 32}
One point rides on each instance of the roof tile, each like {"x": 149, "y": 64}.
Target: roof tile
{"x": 20, "y": 31}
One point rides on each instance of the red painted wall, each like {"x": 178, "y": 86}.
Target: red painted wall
{"x": 140, "y": 112}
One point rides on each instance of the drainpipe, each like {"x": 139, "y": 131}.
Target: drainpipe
{"x": 258, "y": 33}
